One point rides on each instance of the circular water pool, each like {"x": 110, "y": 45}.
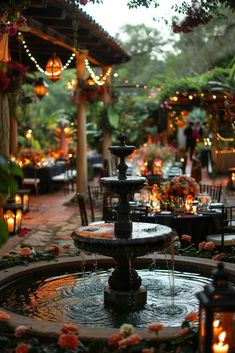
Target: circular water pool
{"x": 78, "y": 298}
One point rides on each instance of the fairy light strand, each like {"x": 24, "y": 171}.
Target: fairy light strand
{"x": 100, "y": 81}
{"x": 31, "y": 57}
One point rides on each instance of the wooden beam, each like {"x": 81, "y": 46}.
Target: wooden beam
{"x": 49, "y": 34}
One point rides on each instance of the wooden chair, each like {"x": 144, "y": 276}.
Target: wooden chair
{"x": 214, "y": 191}
{"x": 82, "y": 209}
{"x": 33, "y": 182}
{"x": 227, "y": 235}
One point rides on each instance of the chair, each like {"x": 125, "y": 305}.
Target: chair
{"x": 214, "y": 191}
{"x": 32, "y": 182}
{"x": 82, "y": 209}
{"x": 227, "y": 235}
{"x": 139, "y": 213}
{"x": 62, "y": 179}
{"x": 96, "y": 199}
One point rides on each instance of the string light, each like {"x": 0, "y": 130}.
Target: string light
{"x": 31, "y": 57}
{"x": 100, "y": 81}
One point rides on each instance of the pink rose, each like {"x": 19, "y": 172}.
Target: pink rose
{"x": 115, "y": 339}
{"x": 26, "y": 251}
{"x": 209, "y": 245}
{"x": 219, "y": 257}
{"x": 187, "y": 238}
{"x": 83, "y": 2}
{"x": 12, "y": 31}
{"x": 20, "y": 330}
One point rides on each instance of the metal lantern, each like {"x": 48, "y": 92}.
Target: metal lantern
{"x": 40, "y": 88}
{"x": 54, "y": 68}
{"x": 22, "y": 197}
{"x": 217, "y": 315}
{"x": 12, "y": 215}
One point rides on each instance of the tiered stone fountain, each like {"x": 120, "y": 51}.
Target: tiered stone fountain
{"x": 124, "y": 240}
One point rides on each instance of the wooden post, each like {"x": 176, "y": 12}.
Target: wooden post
{"x": 107, "y": 99}
{"x": 4, "y": 125}
{"x": 81, "y": 185}
{"x": 13, "y": 136}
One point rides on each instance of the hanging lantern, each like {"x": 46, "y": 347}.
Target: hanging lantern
{"x": 40, "y": 88}
{"x": 54, "y": 68}
{"x": 217, "y": 315}
{"x": 12, "y": 215}
{"x": 22, "y": 197}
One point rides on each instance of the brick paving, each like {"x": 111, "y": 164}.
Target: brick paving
{"x": 52, "y": 219}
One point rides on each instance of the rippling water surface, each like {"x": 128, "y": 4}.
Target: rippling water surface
{"x": 78, "y": 298}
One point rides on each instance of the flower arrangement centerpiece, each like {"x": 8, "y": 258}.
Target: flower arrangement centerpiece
{"x": 179, "y": 191}
{"x": 11, "y": 21}
{"x": 151, "y": 157}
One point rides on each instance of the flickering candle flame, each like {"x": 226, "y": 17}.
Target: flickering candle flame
{"x": 220, "y": 347}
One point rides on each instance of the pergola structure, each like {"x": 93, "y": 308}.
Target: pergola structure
{"x": 52, "y": 27}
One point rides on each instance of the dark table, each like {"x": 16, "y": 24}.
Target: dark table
{"x": 44, "y": 174}
{"x": 198, "y": 226}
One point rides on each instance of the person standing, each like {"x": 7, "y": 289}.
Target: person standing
{"x": 190, "y": 140}
{"x": 197, "y": 131}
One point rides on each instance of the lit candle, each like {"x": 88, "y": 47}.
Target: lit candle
{"x": 195, "y": 209}
{"x": 17, "y": 199}
{"x": 220, "y": 347}
{"x": 216, "y": 328}
{"x": 10, "y": 224}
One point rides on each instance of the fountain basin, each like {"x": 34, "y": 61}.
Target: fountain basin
{"x": 49, "y": 330}
{"x": 145, "y": 238}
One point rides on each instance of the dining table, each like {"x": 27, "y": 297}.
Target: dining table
{"x": 197, "y": 225}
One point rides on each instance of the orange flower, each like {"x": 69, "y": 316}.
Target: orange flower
{"x": 69, "y": 328}
{"x": 219, "y": 257}
{"x": 26, "y": 251}
{"x": 187, "y": 238}
{"x": 193, "y": 316}
{"x": 155, "y": 327}
{"x": 129, "y": 341}
{"x": 20, "y": 330}
{"x": 22, "y": 348}
{"x": 115, "y": 338}
{"x": 4, "y": 316}
{"x": 68, "y": 341}
{"x": 183, "y": 332}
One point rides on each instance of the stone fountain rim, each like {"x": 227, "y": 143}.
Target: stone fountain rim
{"x": 50, "y": 330}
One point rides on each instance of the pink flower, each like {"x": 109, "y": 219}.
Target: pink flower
{"x": 68, "y": 341}
{"x": 187, "y": 238}
{"x": 155, "y": 327}
{"x": 4, "y": 316}
{"x": 69, "y": 328}
{"x": 219, "y": 257}
{"x": 209, "y": 245}
{"x": 22, "y": 348}
{"x": 54, "y": 249}
{"x": 12, "y": 31}
{"x": 148, "y": 350}
{"x": 20, "y": 330}
{"x": 26, "y": 251}
{"x": 83, "y": 2}
{"x": 201, "y": 246}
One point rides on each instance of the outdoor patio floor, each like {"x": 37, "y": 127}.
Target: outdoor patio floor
{"x": 51, "y": 221}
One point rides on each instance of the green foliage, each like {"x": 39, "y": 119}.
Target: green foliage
{"x": 8, "y": 171}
